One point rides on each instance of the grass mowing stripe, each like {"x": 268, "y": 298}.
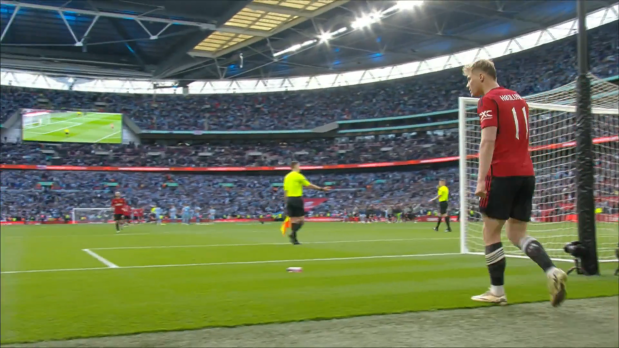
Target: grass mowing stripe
{"x": 52, "y": 305}
{"x": 242, "y": 262}
{"x": 258, "y": 244}
{"x": 75, "y": 124}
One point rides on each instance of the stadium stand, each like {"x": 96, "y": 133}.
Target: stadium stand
{"x": 528, "y": 72}
{"x": 254, "y": 196}
{"x": 231, "y": 195}
{"x": 318, "y": 151}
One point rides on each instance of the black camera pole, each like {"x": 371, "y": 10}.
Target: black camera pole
{"x": 585, "y": 200}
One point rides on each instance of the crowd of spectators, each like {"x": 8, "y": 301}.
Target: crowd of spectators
{"x": 31, "y": 194}
{"x": 366, "y": 149}
{"x": 545, "y": 129}
{"x": 55, "y": 194}
{"x": 529, "y": 72}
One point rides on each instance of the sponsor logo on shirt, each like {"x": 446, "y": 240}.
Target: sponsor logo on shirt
{"x": 485, "y": 115}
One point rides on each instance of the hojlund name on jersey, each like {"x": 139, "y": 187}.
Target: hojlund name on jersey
{"x": 510, "y": 97}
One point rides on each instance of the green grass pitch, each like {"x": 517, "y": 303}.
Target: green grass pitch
{"x": 177, "y": 277}
{"x": 89, "y": 128}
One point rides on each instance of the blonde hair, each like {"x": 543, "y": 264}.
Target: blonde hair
{"x": 484, "y": 65}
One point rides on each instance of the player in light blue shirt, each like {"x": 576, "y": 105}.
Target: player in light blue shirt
{"x": 173, "y": 214}
{"x": 186, "y": 215}
{"x": 158, "y": 215}
{"x": 196, "y": 211}
{"x": 211, "y": 215}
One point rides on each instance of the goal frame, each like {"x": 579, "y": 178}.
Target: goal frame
{"x": 29, "y": 121}
{"x": 467, "y": 103}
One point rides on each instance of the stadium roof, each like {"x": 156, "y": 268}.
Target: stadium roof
{"x": 188, "y": 40}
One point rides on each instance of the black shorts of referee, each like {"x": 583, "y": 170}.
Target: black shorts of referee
{"x": 443, "y": 207}
{"x": 295, "y": 207}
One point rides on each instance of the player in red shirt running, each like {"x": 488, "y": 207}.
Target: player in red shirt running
{"x": 126, "y": 215}
{"x": 506, "y": 180}
{"x": 118, "y": 204}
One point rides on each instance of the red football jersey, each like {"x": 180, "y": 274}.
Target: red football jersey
{"x": 118, "y": 204}
{"x": 138, "y": 212}
{"x": 509, "y": 112}
{"x": 126, "y": 210}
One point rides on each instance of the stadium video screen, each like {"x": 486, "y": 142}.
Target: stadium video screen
{"x": 71, "y": 126}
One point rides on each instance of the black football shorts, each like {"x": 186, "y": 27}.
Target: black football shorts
{"x": 295, "y": 207}
{"x": 508, "y": 197}
{"x": 443, "y": 207}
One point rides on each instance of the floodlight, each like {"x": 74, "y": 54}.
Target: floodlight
{"x": 325, "y": 37}
{"x": 339, "y": 31}
{"x": 328, "y": 36}
{"x": 308, "y": 42}
{"x": 295, "y": 47}
{"x": 391, "y": 9}
{"x": 366, "y": 21}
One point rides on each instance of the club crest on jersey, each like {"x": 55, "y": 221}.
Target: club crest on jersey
{"x": 485, "y": 115}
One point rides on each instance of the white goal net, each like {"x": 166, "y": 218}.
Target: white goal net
{"x": 92, "y": 215}
{"x": 552, "y": 127}
{"x": 36, "y": 118}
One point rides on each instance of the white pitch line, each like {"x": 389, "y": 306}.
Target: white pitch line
{"x": 279, "y": 243}
{"x": 57, "y": 270}
{"x": 96, "y": 141}
{"x": 102, "y": 259}
{"x": 46, "y": 125}
{"x": 240, "y": 263}
{"x": 59, "y": 129}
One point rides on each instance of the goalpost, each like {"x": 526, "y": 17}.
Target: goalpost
{"x": 92, "y": 215}
{"x": 36, "y": 119}
{"x": 554, "y": 154}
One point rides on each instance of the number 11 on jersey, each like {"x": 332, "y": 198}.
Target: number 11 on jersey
{"x": 526, "y": 122}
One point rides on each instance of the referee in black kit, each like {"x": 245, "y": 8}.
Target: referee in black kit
{"x": 293, "y": 195}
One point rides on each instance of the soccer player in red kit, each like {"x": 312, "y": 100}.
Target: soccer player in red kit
{"x": 118, "y": 204}
{"x": 137, "y": 215}
{"x": 506, "y": 181}
{"x": 126, "y": 215}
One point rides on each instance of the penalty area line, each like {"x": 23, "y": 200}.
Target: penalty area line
{"x": 100, "y": 258}
{"x": 239, "y": 263}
